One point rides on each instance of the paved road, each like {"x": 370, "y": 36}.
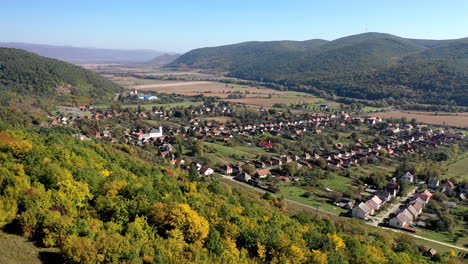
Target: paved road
{"x": 395, "y": 207}
{"x": 231, "y": 179}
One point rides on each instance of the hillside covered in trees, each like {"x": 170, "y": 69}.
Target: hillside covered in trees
{"x": 25, "y": 74}
{"x": 111, "y": 203}
{"x": 371, "y": 66}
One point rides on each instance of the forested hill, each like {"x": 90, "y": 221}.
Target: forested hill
{"x": 231, "y": 57}
{"x": 369, "y": 66}
{"x": 27, "y": 74}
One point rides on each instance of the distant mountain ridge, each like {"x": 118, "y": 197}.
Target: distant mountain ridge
{"x": 85, "y": 55}
{"x": 373, "y": 66}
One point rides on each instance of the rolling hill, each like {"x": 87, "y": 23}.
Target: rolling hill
{"x": 85, "y": 55}
{"x": 26, "y": 74}
{"x": 372, "y": 66}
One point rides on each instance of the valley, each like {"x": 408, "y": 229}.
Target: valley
{"x": 258, "y": 152}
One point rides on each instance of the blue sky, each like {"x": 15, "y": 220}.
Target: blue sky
{"x": 179, "y": 26}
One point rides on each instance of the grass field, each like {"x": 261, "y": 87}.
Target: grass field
{"x": 338, "y": 183}
{"x": 441, "y": 236}
{"x": 458, "y": 170}
{"x": 450, "y": 119}
{"x": 369, "y": 109}
{"x": 231, "y": 152}
{"x": 18, "y": 250}
{"x": 369, "y": 169}
{"x": 294, "y": 193}
{"x": 271, "y": 101}
{"x": 149, "y": 107}
{"x": 440, "y": 248}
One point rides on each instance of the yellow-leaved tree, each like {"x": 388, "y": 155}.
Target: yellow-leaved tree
{"x": 375, "y": 254}
{"x": 318, "y": 257}
{"x": 338, "y": 242}
{"x": 180, "y": 216}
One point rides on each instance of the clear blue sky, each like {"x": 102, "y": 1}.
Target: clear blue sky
{"x": 177, "y": 25}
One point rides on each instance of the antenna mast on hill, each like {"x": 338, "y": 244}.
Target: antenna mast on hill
{"x": 366, "y": 28}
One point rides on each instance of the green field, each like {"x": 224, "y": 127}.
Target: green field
{"x": 231, "y": 152}
{"x": 294, "y": 193}
{"x": 132, "y": 82}
{"x": 369, "y": 169}
{"x": 458, "y": 170}
{"x": 440, "y": 248}
{"x": 337, "y": 183}
{"x": 368, "y": 109}
{"x": 148, "y": 107}
{"x": 441, "y": 236}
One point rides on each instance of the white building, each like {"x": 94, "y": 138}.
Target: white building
{"x": 361, "y": 211}
{"x": 400, "y": 221}
{"x": 155, "y": 133}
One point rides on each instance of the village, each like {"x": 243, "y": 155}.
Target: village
{"x": 268, "y": 171}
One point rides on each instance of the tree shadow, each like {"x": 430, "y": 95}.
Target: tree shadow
{"x": 51, "y": 257}
{"x": 12, "y": 228}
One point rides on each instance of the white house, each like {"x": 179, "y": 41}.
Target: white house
{"x": 226, "y": 169}
{"x": 206, "y": 171}
{"x": 408, "y": 176}
{"x": 400, "y": 221}
{"x": 361, "y": 211}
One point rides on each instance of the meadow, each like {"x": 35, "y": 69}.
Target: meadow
{"x": 295, "y": 193}
{"x": 458, "y": 170}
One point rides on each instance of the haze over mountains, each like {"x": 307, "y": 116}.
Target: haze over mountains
{"x": 162, "y": 60}
{"x": 366, "y": 66}
{"x": 86, "y": 55}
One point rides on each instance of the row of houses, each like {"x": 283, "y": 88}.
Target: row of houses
{"x": 365, "y": 209}
{"x": 405, "y": 216}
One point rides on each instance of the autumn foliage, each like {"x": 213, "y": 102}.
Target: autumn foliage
{"x": 99, "y": 204}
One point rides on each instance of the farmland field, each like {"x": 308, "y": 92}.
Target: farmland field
{"x": 450, "y": 119}
{"x": 254, "y": 96}
{"x": 271, "y": 101}
{"x": 209, "y": 88}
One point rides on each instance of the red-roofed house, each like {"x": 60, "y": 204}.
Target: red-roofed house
{"x": 266, "y": 144}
